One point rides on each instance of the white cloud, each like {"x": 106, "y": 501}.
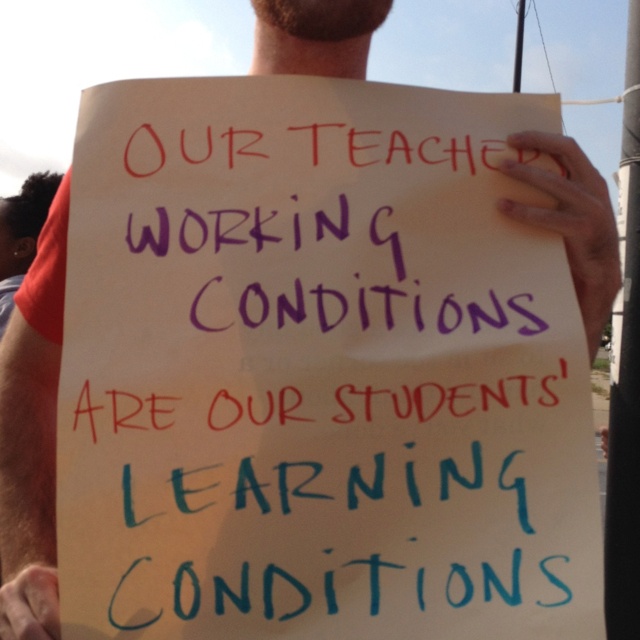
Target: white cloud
{"x": 51, "y": 51}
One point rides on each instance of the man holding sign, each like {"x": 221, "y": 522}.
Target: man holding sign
{"x": 303, "y": 37}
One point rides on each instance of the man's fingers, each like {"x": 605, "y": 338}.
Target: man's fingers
{"x": 582, "y": 215}
{"x": 565, "y": 149}
{"x": 29, "y": 606}
{"x": 565, "y": 223}
{"x": 570, "y": 194}
{"x": 43, "y": 598}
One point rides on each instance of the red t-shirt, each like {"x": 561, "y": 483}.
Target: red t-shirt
{"x": 40, "y": 298}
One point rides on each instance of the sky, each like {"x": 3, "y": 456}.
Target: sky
{"x": 50, "y": 51}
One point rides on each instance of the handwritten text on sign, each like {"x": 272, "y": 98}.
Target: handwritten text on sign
{"x": 316, "y": 384}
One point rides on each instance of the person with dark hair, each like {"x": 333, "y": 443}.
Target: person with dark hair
{"x": 312, "y": 37}
{"x": 21, "y": 220}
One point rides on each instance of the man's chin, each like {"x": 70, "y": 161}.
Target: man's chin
{"x": 323, "y": 21}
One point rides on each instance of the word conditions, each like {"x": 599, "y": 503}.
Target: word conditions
{"x": 267, "y": 589}
{"x": 326, "y": 305}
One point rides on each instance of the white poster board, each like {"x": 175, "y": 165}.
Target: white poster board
{"x": 314, "y": 384}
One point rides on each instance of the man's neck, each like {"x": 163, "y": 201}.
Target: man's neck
{"x": 276, "y": 52}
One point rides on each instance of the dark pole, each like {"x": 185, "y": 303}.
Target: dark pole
{"x": 622, "y": 520}
{"x": 517, "y": 73}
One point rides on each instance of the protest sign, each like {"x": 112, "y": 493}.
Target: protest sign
{"x": 314, "y": 384}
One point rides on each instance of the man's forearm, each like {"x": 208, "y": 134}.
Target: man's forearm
{"x": 29, "y": 370}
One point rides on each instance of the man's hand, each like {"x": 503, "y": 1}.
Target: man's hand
{"x": 29, "y": 605}
{"x": 583, "y": 217}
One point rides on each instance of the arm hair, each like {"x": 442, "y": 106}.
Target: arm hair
{"x": 29, "y": 374}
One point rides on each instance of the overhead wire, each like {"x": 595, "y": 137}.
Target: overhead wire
{"x": 546, "y": 55}
{"x": 544, "y": 46}
{"x": 616, "y": 99}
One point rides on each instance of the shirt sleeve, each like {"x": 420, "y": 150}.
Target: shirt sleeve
{"x": 41, "y": 296}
